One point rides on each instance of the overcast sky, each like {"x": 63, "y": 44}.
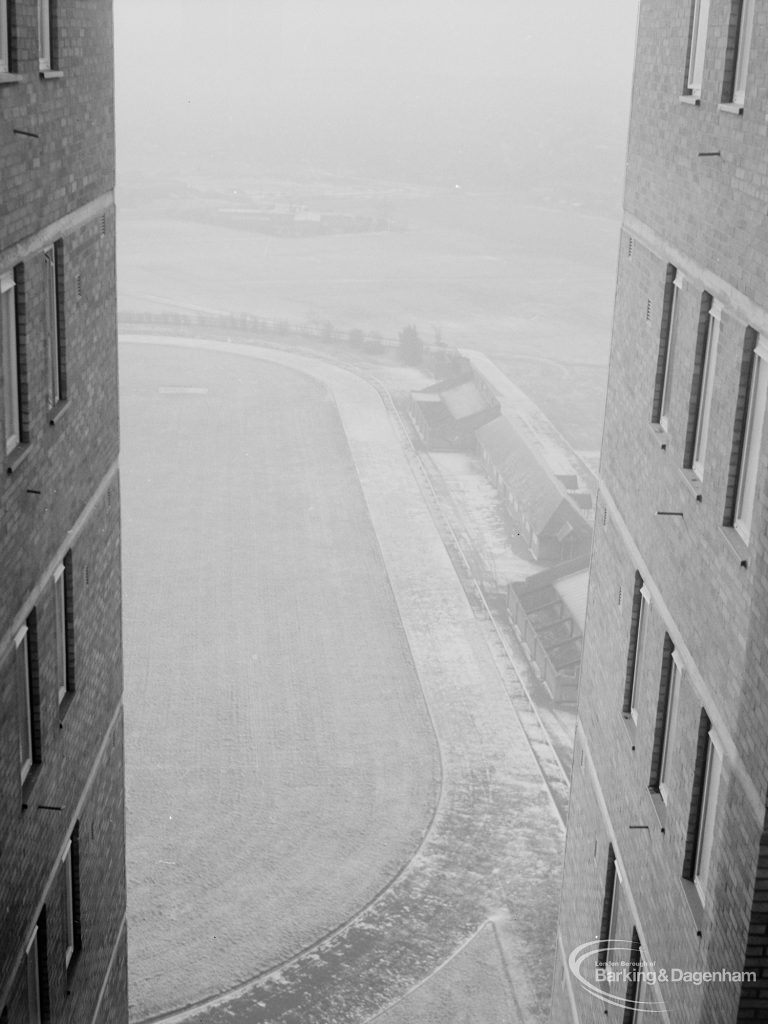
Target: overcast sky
{"x": 484, "y": 90}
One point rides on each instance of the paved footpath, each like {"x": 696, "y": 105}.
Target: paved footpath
{"x": 494, "y": 850}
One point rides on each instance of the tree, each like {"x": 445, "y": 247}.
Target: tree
{"x": 411, "y": 345}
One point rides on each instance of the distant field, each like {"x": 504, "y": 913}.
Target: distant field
{"x": 524, "y": 284}
{"x": 281, "y": 767}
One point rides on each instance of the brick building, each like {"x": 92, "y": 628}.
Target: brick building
{"x": 545, "y": 506}
{"x": 667, "y": 850}
{"x": 62, "y": 874}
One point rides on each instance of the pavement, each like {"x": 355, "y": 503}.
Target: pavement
{"x": 493, "y": 850}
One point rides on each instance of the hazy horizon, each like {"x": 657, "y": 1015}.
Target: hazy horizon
{"x": 483, "y": 96}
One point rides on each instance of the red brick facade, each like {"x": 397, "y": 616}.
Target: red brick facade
{"x": 696, "y": 195}
{"x": 62, "y": 846}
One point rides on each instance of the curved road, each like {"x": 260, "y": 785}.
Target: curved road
{"x": 494, "y": 849}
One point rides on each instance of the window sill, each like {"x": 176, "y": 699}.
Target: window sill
{"x": 9, "y": 78}
{"x": 72, "y": 969}
{"x": 15, "y": 457}
{"x": 660, "y": 435}
{"x": 736, "y": 544}
{"x": 695, "y": 905}
{"x": 58, "y": 411}
{"x": 659, "y": 806}
{"x": 28, "y": 785}
{"x": 64, "y": 705}
{"x": 731, "y": 108}
{"x": 51, "y": 74}
{"x": 694, "y": 483}
{"x": 692, "y": 101}
{"x": 630, "y": 722}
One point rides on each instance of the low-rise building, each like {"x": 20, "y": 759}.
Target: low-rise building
{"x": 550, "y": 521}
{"x": 547, "y": 612}
{"x": 447, "y": 414}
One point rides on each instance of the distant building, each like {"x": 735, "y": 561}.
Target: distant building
{"x": 551, "y": 522}
{"x": 547, "y": 611}
{"x": 667, "y": 850}
{"x": 62, "y": 873}
{"x": 447, "y": 414}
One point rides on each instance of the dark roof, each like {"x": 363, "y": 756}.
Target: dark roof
{"x": 431, "y": 408}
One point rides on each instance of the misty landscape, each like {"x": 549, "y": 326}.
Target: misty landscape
{"x": 383, "y": 512}
{"x": 347, "y": 756}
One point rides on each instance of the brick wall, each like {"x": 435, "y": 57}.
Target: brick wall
{"x": 82, "y": 783}
{"x": 69, "y": 457}
{"x": 709, "y": 590}
{"x": 708, "y": 206}
{"x": 68, "y": 159}
{"x": 59, "y": 502}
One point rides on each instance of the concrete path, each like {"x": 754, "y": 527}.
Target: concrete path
{"x": 495, "y": 845}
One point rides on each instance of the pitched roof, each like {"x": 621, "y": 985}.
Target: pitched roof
{"x": 535, "y": 491}
{"x": 464, "y": 400}
{"x": 461, "y": 397}
{"x": 543, "y": 503}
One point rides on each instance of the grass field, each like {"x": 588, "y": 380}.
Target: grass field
{"x": 280, "y": 762}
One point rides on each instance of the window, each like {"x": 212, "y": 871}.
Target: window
{"x": 611, "y": 900}
{"x": 663, "y": 394}
{"x": 615, "y": 899}
{"x": 670, "y": 718}
{"x": 11, "y": 382}
{"x": 34, "y": 994}
{"x": 640, "y": 604}
{"x": 69, "y": 905}
{"x": 38, "y": 1002}
{"x": 665, "y": 718}
{"x": 743, "y": 46}
{"x": 5, "y": 47}
{"x": 705, "y": 828}
{"x": 53, "y": 324}
{"x": 706, "y": 389}
{"x": 44, "y": 34}
{"x": 697, "y": 47}
{"x": 71, "y": 873}
{"x": 640, "y": 997}
{"x": 750, "y": 453}
{"x": 62, "y": 597}
{"x": 25, "y": 702}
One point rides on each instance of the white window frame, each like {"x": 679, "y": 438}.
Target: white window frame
{"x": 62, "y": 646}
{"x": 44, "y": 34}
{"x": 9, "y": 341}
{"x": 615, "y": 894}
{"x": 705, "y": 827}
{"x": 706, "y": 389}
{"x": 670, "y": 720}
{"x": 646, "y": 997}
{"x": 24, "y": 701}
{"x": 744, "y": 45}
{"x": 5, "y": 46}
{"x": 698, "y": 47}
{"x": 52, "y": 324}
{"x": 753, "y": 429}
{"x": 34, "y": 995}
{"x": 677, "y": 287}
{"x": 69, "y": 907}
{"x": 642, "y": 624}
